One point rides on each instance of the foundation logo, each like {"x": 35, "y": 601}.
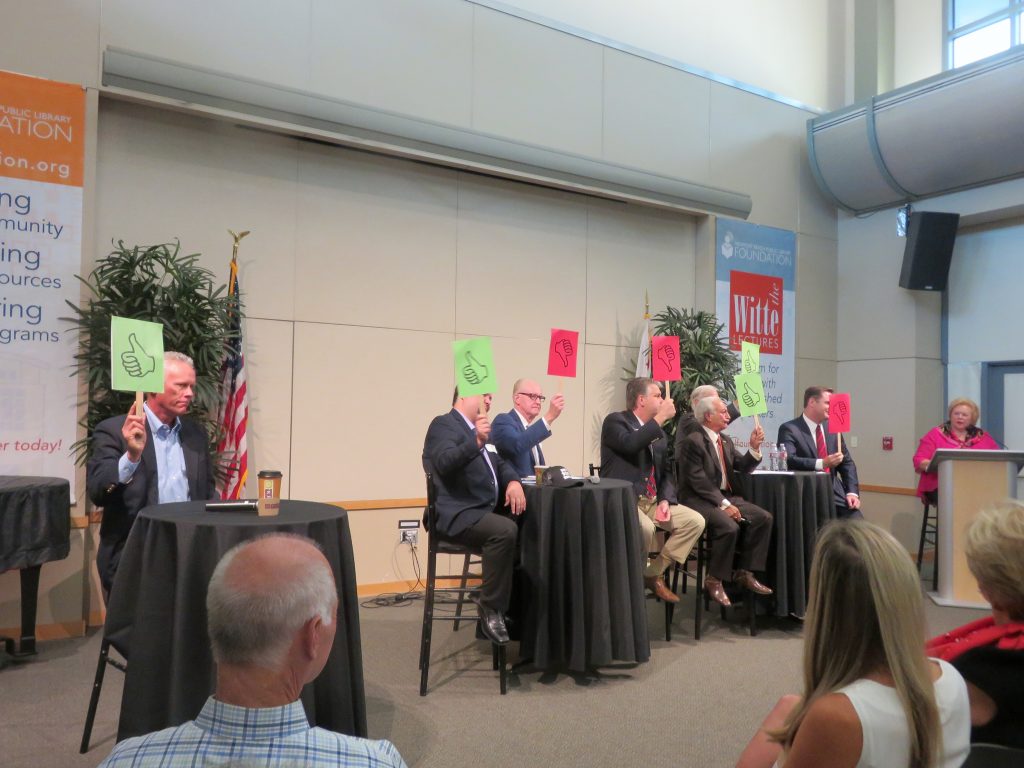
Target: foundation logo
{"x": 755, "y": 311}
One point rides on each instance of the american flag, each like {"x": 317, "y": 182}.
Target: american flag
{"x": 234, "y": 413}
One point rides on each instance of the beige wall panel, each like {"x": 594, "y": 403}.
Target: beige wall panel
{"x": 268, "y": 364}
{"x": 374, "y": 241}
{"x": 632, "y": 250}
{"x": 917, "y": 44}
{"x": 655, "y": 117}
{"x": 535, "y": 85}
{"x": 163, "y": 175}
{"x": 528, "y": 359}
{"x": 605, "y": 393}
{"x": 883, "y": 397}
{"x": 380, "y": 558}
{"x": 61, "y": 589}
{"x": 363, "y": 398}
{"x": 403, "y": 56}
{"x": 877, "y": 318}
{"x": 55, "y": 39}
{"x": 929, "y": 406}
{"x": 900, "y": 515}
{"x": 811, "y": 372}
{"x": 522, "y": 260}
{"x": 816, "y": 297}
{"x": 816, "y": 215}
{"x": 755, "y": 148}
{"x": 266, "y": 41}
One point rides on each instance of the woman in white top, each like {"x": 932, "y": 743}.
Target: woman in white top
{"x": 871, "y": 697}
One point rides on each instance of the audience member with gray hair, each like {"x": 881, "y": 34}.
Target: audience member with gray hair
{"x": 989, "y": 652}
{"x": 272, "y": 606}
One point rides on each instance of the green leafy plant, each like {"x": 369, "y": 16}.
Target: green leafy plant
{"x": 159, "y": 284}
{"x": 706, "y": 358}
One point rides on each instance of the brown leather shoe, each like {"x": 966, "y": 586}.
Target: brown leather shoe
{"x": 747, "y": 580}
{"x": 716, "y": 591}
{"x": 657, "y": 585}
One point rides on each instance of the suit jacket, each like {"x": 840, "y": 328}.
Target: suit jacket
{"x": 700, "y": 475}
{"x": 628, "y": 451}
{"x": 121, "y": 502}
{"x": 802, "y": 453}
{"x": 514, "y": 441}
{"x": 465, "y": 487}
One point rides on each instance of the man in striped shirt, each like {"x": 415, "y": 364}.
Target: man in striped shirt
{"x": 272, "y": 607}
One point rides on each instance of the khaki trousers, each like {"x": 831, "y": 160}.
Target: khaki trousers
{"x": 684, "y": 528}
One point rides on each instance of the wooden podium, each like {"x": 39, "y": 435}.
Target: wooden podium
{"x": 969, "y": 481}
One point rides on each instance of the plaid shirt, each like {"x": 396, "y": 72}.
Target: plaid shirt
{"x": 226, "y": 735}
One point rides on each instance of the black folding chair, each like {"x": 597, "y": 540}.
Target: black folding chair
{"x": 446, "y": 597}
{"x": 97, "y": 685}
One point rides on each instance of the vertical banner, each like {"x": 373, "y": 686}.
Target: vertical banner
{"x": 755, "y": 292}
{"x": 42, "y": 159}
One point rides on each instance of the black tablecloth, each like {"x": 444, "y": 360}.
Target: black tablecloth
{"x": 801, "y": 503}
{"x": 157, "y": 613}
{"x": 35, "y": 521}
{"x": 581, "y": 577}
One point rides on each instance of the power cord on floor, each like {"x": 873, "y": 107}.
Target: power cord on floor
{"x": 400, "y": 599}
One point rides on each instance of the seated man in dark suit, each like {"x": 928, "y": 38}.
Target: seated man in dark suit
{"x": 474, "y": 486}
{"x": 633, "y": 447}
{"x": 809, "y": 446}
{"x": 516, "y": 438}
{"x": 154, "y": 457}
{"x": 707, "y": 469}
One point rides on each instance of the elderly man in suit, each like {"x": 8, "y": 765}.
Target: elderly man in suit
{"x": 474, "y": 488}
{"x": 687, "y": 424}
{"x": 708, "y": 469}
{"x": 633, "y": 447}
{"x": 154, "y": 457}
{"x": 809, "y": 446}
{"x": 518, "y": 434}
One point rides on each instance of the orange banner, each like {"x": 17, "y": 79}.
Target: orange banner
{"x": 42, "y": 130}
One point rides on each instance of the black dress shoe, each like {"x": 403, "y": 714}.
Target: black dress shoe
{"x": 492, "y": 624}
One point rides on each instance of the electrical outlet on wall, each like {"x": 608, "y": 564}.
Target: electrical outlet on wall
{"x": 409, "y": 532}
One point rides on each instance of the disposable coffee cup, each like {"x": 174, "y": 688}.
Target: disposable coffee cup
{"x": 539, "y": 472}
{"x": 269, "y": 502}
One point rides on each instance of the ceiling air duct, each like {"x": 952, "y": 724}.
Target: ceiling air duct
{"x": 961, "y": 129}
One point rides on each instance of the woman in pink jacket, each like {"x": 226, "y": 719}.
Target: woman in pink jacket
{"x": 960, "y": 431}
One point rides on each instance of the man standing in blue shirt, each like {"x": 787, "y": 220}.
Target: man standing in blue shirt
{"x": 518, "y": 434}
{"x": 272, "y": 609}
{"x": 154, "y": 457}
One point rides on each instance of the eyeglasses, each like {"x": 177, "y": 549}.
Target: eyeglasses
{"x": 535, "y": 398}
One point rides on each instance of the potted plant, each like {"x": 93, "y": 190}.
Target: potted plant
{"x": 159, "y": 284}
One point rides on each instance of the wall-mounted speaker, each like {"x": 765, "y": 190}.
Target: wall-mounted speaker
{"x": 929, "y": 249}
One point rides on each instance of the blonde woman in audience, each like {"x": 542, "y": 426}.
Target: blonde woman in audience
{"x": 871, "y": 697}
{"x": 989, "y": 653}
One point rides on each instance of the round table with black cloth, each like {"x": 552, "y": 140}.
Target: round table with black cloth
{"x": 35, "y": 528}
{"x": 800, "y": 503}
{"x": 580, "y": 580}
{"x": 156, "y": 616}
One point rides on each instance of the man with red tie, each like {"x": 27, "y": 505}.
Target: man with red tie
{"x": 809, "y": 446}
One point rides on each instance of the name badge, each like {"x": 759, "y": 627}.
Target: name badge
{"x": 490, "y": 448}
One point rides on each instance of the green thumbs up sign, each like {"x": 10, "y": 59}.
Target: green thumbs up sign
{"x": 135, "y": 361}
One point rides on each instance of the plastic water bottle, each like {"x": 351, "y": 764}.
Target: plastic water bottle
{"x": 773, "y": 457}
{"x": 783, "y": 459}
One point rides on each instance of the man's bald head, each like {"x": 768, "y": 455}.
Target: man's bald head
{"x": 261, "y": 593}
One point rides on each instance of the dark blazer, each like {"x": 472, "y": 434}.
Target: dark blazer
{"x": 514, "y": 441}
{"x": 802, "y": 453}
{"x": 465, "y": 486}
{"x": 699, "y": 474}
{"x": 627, "y": 451}
{"x": 121, "y": 502}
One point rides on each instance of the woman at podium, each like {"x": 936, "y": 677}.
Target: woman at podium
{"x": 960, "y": 430}
{"x": 989, "y": 653}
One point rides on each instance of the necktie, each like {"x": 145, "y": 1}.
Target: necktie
{"x": 652, "y": 487}
{"x": 822, "y": 450}
{"x": 721, "y": 460}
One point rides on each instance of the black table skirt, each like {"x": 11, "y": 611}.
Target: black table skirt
{"x": 801, "y": 503}
{"x": 580, "y": 582}
{"x": 156, "y": 615}
{"x": 35, "y": 521}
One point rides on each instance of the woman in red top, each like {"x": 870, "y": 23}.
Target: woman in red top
{"x": 960, "y": 431}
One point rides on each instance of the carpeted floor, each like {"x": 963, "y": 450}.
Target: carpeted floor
{"x": 692, "y": 704}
